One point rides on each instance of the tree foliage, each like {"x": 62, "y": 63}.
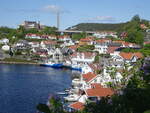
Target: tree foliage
{"x": 78, "y": 36}
{"x": 86, "y": 48}
{"x": 97, "y": 27}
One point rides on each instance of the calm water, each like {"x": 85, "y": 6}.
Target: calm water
{"x": 22, "y": 87}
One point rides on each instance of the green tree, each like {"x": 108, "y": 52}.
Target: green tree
{"x": 78, "y": 36}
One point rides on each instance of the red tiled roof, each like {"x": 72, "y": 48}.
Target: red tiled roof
{"x": 128, "y": 56}
{"x": 119, "y": 41}
{"x": 146, "y": 42}
{"x": 74, "y": 47}
{"x": 87, "y": 39}
{"x": 143, "y": 26}
{"x": 62, "y": 37}
{"x": 111, "y": 49}
{"x": 77, "y": 106}
{"x": 88, "y": 76}
{"x": 103, "y": 40}
{"x": 96, "y": 85}
{"x": 138, "y": 54}
{"x": 99, "y": 92}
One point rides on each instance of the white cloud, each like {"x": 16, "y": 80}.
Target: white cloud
{"x": 52, "y": 8}
{"x": 102, "y": 18}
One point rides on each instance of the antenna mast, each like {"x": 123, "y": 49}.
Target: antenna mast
{"x": 58, "y": 20}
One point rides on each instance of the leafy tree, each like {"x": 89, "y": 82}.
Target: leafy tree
{"x": 136, "y": 18}
{"x": 135, "y": 33}
{"x": 97, "y": 59}
{"x": 78, "y": 36}
{"x": 86, "y": 48}
{"x": 49, "y": 30}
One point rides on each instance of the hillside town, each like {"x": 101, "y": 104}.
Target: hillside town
{"x": 103, "y": 59}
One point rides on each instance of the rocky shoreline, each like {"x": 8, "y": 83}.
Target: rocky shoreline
{"x": 5, "y": 62}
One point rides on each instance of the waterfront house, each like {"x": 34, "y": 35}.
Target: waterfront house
{"x": 85, "y": 80}
{"x": 89, "y": 78}
{"x": 82, "y": 57}
{"x": 96, "y": 92}
{"x": 102, "y": 45}
{"x": 41, "y": 52}
{"x": 57, "y": 55}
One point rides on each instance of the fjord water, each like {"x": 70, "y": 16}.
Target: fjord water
{"x": 22, "y": 87}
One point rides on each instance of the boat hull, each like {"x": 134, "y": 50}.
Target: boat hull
{"x": 76, "y": 69}
{"x": 53, "y": 65}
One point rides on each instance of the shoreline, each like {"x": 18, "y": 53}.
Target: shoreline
{"x": 26, "y": 63}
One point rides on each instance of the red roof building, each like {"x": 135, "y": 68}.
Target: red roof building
{"x": 77, "y": 106}
{"x": 99, "y": 91}
{"x": 88, "y": 77}
{"x": 128, "y": 56}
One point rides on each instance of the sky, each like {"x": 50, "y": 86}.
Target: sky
{"x": 72, "y": 12}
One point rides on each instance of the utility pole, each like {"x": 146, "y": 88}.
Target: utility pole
{"x": 58, "y": 20}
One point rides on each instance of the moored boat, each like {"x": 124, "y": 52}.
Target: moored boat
{"x": 76, "y": 67}
{"x": 53, "y": 65}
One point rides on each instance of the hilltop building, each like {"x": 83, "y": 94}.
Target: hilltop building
{"x": 32, "y": 24}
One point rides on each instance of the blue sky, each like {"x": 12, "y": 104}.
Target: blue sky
{"x": 72, "y": 12}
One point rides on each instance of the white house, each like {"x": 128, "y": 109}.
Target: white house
{"x": 32, "y": 36}
{"x": 129, "y": 57}
{"x": 4, "y": 41}
{"x": 102, "y": 45}
{"x": 34, "y": 44}
{"x": 64, "y": 38}
{"x": 48, "y": 44}
{"x": 52, "y": 37}
{"x": 86, "y": 41}
{"x": 82, "y": 57}
{"x": 105, "y": 34}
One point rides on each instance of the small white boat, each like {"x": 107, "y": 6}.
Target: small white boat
{"x": 76, "y": 82}
{"x": 62, "y": 93}
{"x": 72, "y": 98}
